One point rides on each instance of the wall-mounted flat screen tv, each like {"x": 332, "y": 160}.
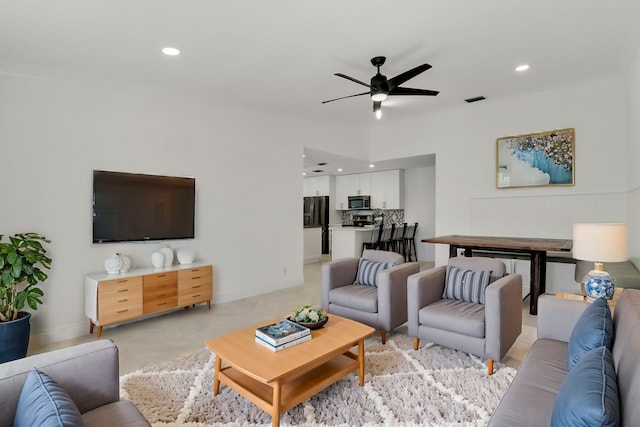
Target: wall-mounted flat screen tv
{"x": 130, "y": 207}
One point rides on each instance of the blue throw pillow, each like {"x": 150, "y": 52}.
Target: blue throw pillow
{"x": 594, "y": 329}
{"x": 466, "y": 285}
{"x": 368, "y": 271}
{"x": 43, "y": 402}
{"x": 588, "y": 395}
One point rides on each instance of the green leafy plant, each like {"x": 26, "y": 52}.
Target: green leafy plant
{"x": 21, "y": 261}
{"x": 308, "y": 314}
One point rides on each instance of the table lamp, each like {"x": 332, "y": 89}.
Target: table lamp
{"x": 599, "y": 243}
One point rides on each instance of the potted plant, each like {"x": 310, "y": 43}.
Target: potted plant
{"x": 22, "y": 259}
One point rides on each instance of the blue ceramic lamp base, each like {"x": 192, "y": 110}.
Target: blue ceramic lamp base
{"x": 598, "y": 284}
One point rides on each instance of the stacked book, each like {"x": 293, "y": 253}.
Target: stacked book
{"x": 281, "y": 335}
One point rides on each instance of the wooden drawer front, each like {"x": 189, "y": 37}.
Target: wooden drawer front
{"x": 160, "y": 292}
{"x": 160, "y": 301}
{"x": 155, "y": 282}
{"x": 201, "y": 293}
{"x": 195, "y": 273}
{"x": 119, "y": 300}
{"x": 194, "y": 286}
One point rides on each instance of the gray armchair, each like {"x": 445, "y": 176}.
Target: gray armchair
{"x": 384, "y": 306}
{"x": 487, "y": 330}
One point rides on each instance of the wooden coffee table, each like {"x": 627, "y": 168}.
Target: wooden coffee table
{"x": 278, "y": 381}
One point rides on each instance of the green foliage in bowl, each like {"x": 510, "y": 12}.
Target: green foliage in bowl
{"x": 308, "y": 314}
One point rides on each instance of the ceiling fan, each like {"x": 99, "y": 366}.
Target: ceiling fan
{"x": 381, "y": 87}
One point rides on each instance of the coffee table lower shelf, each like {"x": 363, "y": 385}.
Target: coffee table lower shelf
{"x": 292, "y": 390}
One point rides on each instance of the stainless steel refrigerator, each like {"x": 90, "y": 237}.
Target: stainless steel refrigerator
{"x": 316, "y": 215}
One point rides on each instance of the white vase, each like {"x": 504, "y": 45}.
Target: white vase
{"x": 157, "y": 259}
{"x": 185, "y": 255}
{"x": 168, "y": 255}
{"x": 113, "y": 264}
{"x": 126, "y": 263}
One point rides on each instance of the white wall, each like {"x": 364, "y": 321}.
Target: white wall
{"x": 464, "y": 141}
{"x": 633, "y": 105}
{"x": 56, "y": 129}
{"x": 419, "y": 206}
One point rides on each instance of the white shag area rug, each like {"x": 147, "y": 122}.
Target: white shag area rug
{"x": 434, "y": 386}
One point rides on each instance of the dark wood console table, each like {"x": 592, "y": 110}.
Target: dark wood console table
{"x": 536, "y": 248}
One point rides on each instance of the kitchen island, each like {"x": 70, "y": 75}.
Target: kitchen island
{"x": 346, "y": 241}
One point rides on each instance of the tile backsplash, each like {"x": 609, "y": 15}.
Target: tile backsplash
{"x": 389, "y": 216}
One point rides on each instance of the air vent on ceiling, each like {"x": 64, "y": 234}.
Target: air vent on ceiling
{"x": 476, "y": 99}
{"x": 321, "y": 163}
{"x": 317, "y": 170}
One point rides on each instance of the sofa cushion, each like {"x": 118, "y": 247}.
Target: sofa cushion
{"x": 530, "y": 398}
{"x": 589, "y": 394}
{"x": 43, "y": 402}
{"x": 462, "y": 317}
{"x": 593, "y": 329}
{"x": 368, "y": 271}
{"x": 122, "y": 413}
{"x": 358, "y": 297}
{"x": 466, "y": 285}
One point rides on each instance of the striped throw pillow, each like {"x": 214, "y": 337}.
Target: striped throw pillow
{"x": 368, "y": 271}
{"x": 466, "y": 285}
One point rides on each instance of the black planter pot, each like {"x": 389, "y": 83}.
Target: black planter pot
{"x": 14, "y": 337}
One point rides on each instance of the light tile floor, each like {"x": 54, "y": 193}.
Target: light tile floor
{"x": 173, "y": 334}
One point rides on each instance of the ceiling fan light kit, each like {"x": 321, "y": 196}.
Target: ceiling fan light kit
{"x": 380, "y": 87}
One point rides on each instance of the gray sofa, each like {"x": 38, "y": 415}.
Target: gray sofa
{"x": 530, "y": 398}
{"x": 88, "y": 373}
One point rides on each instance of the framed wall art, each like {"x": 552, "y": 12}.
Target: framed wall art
{"x": 536, "y": 159}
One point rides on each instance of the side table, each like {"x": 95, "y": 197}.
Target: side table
{"x": 579, "y": 297}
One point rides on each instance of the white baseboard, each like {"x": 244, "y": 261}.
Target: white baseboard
{"x": 51, "y": 337}
{"x": 251, "y": 292}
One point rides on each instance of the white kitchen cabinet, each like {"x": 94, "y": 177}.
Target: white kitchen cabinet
{"x": 316, "y": 186}
{"x": 343, "y": 189}
{"x": 351, "y": 185}
{"x": 386, "y": 189}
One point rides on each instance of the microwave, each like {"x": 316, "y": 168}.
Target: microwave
{"x": 359, "y": 202}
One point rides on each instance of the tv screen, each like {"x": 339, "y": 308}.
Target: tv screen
{"x": 134, "y": 207}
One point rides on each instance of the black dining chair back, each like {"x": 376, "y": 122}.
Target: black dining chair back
{"x": 410, "y": 242}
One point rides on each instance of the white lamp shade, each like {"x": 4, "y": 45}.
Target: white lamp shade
{"x": 600, "y": 242}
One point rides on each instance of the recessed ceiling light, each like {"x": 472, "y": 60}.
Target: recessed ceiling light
{"x": 339, "y": 169}
{"x": 523, "y": 67}
{"x": 304, "y": 173}
{"x": 171, "y": 51}
{"x": 372, "y": 165}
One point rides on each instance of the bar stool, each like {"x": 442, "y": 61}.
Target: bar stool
{"x": 410, "y": 242}
{"x": 386, "y": 244}
{"x": 374, "y": 240}
{"x": 399, "y": 242}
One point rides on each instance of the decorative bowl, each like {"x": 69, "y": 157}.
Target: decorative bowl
{"x": 312, "y": 325}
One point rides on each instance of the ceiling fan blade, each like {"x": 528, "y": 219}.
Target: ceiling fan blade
{"x": 343, "y": 97}
{"x": 401, "y": 78}
{"x": 344, "y": 76}
{"x": 411, "y": 91}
